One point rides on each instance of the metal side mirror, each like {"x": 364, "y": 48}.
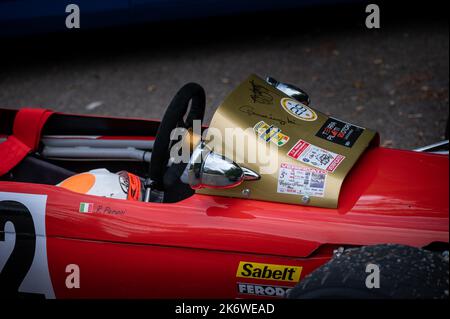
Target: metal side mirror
{"x": 211, "y": 170}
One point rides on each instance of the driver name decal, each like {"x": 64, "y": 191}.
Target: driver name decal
{"x": 315, "y": 156}
{"x": 296, "y": 180}
{"x": 298, "y": 110}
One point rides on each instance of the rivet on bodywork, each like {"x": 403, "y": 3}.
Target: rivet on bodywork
{"x": 246, "y": 192}
{"x": 305, "y": 199}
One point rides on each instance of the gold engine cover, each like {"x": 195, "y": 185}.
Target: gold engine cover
{"x": 314, "y": 152}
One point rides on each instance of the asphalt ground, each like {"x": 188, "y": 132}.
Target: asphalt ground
{"x": 394, "y": 79}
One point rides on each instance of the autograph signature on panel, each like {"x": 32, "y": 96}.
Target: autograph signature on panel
{"x": 251, "y": 111}
{"x": 260, "y": 94}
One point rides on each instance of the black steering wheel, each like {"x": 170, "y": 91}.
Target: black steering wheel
{"x": 161, "y": 176}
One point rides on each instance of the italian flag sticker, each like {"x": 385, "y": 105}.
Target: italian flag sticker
{"x": 86, "y": 207}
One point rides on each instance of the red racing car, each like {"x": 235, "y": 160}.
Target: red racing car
{"x": 103, "y": 207}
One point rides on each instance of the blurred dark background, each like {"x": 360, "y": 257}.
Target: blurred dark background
{"x": 394, "y": 79}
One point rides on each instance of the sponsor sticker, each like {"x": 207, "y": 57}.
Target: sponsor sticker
{"x": 262, "y": 290}
{"x": 270, "y": 133}
{"x": 298, "y": 110}
{"x": 248, "y": 269}
{"x": 297, "y": 180}
{"x": 86, "y": 208}
{"x": 340, "y": 132}
{"x": 315, "y": 156}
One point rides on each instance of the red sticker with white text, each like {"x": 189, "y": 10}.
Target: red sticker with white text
{"x": 315, "y": 156}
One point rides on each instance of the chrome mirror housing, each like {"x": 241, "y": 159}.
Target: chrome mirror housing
{"x": 290, "y": 90}
{"x": 207, "y": 169}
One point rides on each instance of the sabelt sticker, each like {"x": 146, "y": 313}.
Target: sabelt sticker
{"x": 262, "y": 290}
{"x": 248, "y": 269}
{"x": 270, "y": 133}
{"x": 297, "y": 180}
{"x": 315, "y": 156}
{"x": 298, "y": 110}
{"x": 340, "y": 132}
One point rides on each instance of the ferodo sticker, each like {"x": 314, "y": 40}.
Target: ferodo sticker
{"x": 262, "y": 290}
{"x": 339, "y": 132}
{"x": 298, "y": 110}
{"x": 315, "y": 156}
{"x": 247, "y": 269}
{"x": 270, "y": 133}
{"x": 298, "y": 180}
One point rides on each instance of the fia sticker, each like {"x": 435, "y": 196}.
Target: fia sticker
{"x": 270, "y": 133}
{"x": 298, "y": 180}
{"x": 298, "y": 110}
{"x": 315, "y": 156}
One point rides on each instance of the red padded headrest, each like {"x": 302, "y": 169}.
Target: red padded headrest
{"x": 25, "y": 138}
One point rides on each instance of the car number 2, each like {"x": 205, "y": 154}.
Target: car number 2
{"x": 23, "y": 252}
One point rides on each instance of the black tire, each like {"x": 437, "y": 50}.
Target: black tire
{"x": 405, "y": 273}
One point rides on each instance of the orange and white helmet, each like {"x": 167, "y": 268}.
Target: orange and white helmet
{"x": 101, "y": 182}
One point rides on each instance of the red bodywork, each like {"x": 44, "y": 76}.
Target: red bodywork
{"x": 193, "y": 248}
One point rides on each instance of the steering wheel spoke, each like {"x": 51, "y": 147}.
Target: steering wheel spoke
{"x": 173, "y": 118}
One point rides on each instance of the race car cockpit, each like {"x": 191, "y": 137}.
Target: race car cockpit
{"x": 308, "y": 154}
{"x": 263, "y": 141}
